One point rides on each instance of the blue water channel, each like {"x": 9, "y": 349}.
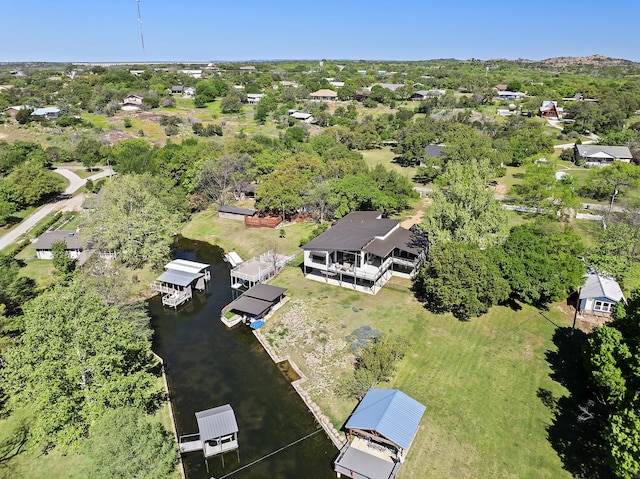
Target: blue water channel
{"x": 209, "y": 365}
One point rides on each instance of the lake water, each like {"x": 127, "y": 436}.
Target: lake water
{"x": 208, "y": 365}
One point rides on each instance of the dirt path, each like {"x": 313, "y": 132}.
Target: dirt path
{"x": 413, "y": 220}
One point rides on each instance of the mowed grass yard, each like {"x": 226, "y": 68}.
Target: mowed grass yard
{"x": 478, "y": 379}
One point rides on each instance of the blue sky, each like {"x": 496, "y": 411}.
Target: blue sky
{"x": 239, "y": 30}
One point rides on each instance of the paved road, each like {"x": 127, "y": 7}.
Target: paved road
{"x": 75, "y": 183}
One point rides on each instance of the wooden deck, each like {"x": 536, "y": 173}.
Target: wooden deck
{"x": 192, "y": 443}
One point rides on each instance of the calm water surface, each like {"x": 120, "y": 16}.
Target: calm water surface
{"x": 209, "y": 365}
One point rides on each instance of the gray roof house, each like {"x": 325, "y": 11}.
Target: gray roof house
{"x": 381, "y": 430}
{"x": 362, "y": 251}
{"x": 599, "y": 294}
{"x": 45, "y": 242}
{"x": 48, "y": 113}
{"x": 600, "y": 155}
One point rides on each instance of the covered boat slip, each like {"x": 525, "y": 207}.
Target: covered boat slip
{"x": 177, "y": 282}
{"x": 254, "y": 304}
{"x": 362, "y": 460}
{"x": 218, "y": 433}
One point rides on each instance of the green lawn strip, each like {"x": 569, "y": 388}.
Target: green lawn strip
{"x": 478, "y": 379}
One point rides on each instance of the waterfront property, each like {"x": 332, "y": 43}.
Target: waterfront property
{"x": 381, "y": 430}
{"x": 599, "y": 294}
{"x": 179, "y": 279}
{"x": 217, "y": 433}
{"x": 254, "y": 305}
{"x": 362, "y": 251}
{"x": 235, "y": 213}
{"x": 44, "y": 244}
{"x": 257, "y": 270}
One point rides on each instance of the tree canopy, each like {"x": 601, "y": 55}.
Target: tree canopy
{"x": 76, "y": 358}
{"x": 137, "y": 216}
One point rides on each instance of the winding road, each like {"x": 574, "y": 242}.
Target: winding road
{"x": 75, "y": 183}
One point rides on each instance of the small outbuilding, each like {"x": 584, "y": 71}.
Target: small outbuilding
{"x": 235, "y": 213}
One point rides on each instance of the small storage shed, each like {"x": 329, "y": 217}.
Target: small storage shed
{"x": 235, "y": 212}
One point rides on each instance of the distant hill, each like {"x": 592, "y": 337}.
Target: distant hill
{"x": 592, "y": 60}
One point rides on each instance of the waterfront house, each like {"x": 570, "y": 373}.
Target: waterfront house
{"x": 600, "y": 155}
{"x": 599, "y": 294}
{"x": 380, "y": 430}
{"x": 362, "y": 251}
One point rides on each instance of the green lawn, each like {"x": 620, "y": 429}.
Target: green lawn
{"x": 478, "y": 379}
{"x": 385, "y": 156}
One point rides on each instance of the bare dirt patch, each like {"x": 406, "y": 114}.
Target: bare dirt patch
{"x": 413, "y": 220}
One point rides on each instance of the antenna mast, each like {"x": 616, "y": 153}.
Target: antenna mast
{"x": 140, "y": 23}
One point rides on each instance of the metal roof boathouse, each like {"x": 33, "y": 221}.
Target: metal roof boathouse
{"x": 217, "y": 433}
{"x": 179, "y": 279}
{"x": 381, "y": 430}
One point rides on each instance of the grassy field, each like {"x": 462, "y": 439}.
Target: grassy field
{"x": 384, "y": 156}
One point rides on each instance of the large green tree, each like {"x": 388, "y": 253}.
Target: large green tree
{"x": 461, "y": 279}
{"x": 35, "y": 184}
{"x": 468, "y": 211}
{"x": 137, "y": 216}
{"x": 542, "y": 263}
{"x": 76, "y": 358}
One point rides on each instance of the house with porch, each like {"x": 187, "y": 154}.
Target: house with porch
{"x": 600, "y": 155}
{"x": 599, "y": 294}
{"x": 49, "y": 113}
{"x": 362, "y": 251}
{"x": 380, "y": 432}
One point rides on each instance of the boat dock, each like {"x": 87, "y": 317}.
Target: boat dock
{"x": 257, "y": 270}
{"x": 176, "y": 284}
{"x": 218, "y": 433}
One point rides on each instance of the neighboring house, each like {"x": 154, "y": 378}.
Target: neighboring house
{"x": 302, "y": 116}
{"x": 362, "y": 72}
{"x": 44, "y": 243}
{"x": 49, "y": 113}
{"x": 136, "y": 72}
{"x": 17, "y": 73}
{"x": 12, "y": 111}
{"x": 599, "y": 294}
{"x": 551, "y": 110}
{"x": 131, "y": 102}
{"x": 177, "y": 89}
{"x": 424, "y": 94}
{"x": 189, "y": 92}
{"x": 324, "y": 95}
{"x": 598, "y": 155}
{"x": 435, "y": 151}
{"x": 289, "y": 84}
{"x": 510, "y": 95}
{"x": 247, "y": 69}
{"x": 500, "y": 87}
{"x": 192, "y": 73}
{"x": 254, "y": 98}
{"x": 362, "y": 251}
{"x": 389, "y": 86}
{"x": 380, "y": 431}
